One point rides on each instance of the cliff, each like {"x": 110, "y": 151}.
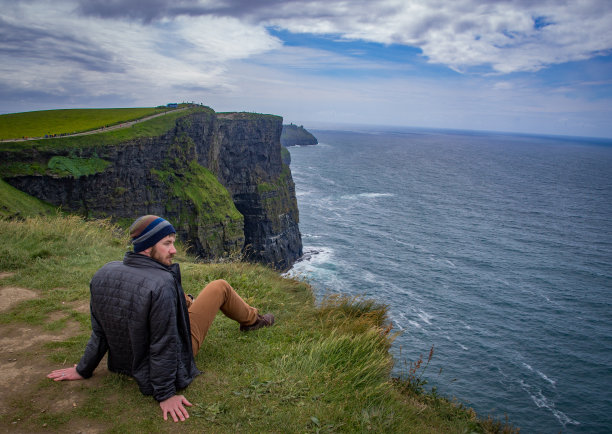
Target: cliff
{"x": 218, "y": 178}
{"x": 293, "y": 135}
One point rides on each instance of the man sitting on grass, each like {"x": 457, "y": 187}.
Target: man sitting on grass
{"x": 150, "y": 328}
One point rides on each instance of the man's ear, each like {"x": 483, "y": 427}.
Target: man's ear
{"x": 147, "y": 252}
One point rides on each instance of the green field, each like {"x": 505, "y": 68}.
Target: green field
{"x": 49, "y": 122}
{"x": 151, "y": 128}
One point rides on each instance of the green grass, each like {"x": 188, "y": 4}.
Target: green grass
{"x": 16, "y": 203}
{"x": 200, "y": 186}
{"x": 151, "y": 128}
{"x": 76, "y": 167}
{"x": 318, "y": 369}
{"x": 48, "y": 122}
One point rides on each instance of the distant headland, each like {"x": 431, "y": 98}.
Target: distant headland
{"x": 293, "y": 135}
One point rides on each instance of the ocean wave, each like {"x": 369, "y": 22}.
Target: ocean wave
{"x": 542, "y": 402}
{"x": 316, "y": 255}
{"x": 540, "y": 374}
{"x": 415, "y": 324}
{"x": 311, "y": 261}
{"x": 305, "y": 235}
{"x": 466, "y": 325}
{"x": 303, "y": 193}
{"x": 397, "y": 325}
{"x": 425, "y": 317}
{"x": 366, "y": 196}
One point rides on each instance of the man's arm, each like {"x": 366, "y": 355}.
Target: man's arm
{"x": 163, "y": 349}
{"x": 162, "y": 359}
{"x": 94, "y": 351}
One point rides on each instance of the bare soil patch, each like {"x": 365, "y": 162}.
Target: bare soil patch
{"x": 81, "y": 306}
{"x": 21, "y": 363}
{"x": 23, "y": 390}
{"x": 24, "y": 366}
{"x": 11, "y": 295}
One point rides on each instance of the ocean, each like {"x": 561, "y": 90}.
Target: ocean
{"x": 495, "y": 249}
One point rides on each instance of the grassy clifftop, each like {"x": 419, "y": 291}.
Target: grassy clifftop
{"x": 318, "y": 369}
{"x": 56, "y": 122}
{"x": 151, "y": 128}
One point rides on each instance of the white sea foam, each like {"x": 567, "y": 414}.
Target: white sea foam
{"x": 311, "y": 236}
{"x": 366, "y": 196}
{"x": 303, "y": 193}
{"x": 370, "y": 277}
{"x": 414, "y": 324}
{"x": 311, "y": 261}
{"x": 540, "y": 374}
{"x": 542, "y": 402}
{"x": 398, "y": 325}
{"x": 465, "y": 325}
{"x": 425, "y": 317}
{"x": 317, "y": 255}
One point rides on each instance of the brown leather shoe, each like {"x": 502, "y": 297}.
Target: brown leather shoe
{"x": 262, "y": 321}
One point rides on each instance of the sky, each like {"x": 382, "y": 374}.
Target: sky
{"x": 525, "y": 66}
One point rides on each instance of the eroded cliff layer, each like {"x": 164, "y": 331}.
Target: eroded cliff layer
{"x": 218, "y": 177}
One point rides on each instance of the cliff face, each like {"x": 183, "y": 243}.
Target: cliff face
{"x": 250, "y": 167}
{"x": 217, "y": 177}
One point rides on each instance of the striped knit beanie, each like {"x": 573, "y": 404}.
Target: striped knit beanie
{"x": 147, "y": 230}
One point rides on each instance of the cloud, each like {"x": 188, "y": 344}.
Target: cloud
{"x": 230, "y": 54}
{"x": 504, "y": 36}
{"x": 58, "y": 51}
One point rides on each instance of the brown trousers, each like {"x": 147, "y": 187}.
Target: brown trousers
{"x": 216, "y": 296}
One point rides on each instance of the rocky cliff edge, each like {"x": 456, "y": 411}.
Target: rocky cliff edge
{"x": 218, "y": 177}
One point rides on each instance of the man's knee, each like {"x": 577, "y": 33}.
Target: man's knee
{"x": 219, "y": 287}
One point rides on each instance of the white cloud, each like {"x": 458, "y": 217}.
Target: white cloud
{"x": 468, "y": 33}
{"x": 71, "y": 55}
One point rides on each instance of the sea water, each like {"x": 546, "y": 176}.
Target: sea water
{"x": 494, "y": 249}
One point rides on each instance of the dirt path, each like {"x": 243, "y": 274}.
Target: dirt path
{"x": 102, "y": 129}
{"x": 27, "y": 400}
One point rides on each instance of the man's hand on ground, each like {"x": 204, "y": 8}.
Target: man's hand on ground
{"x": 175, "y": 407}
{"x": 65, "y": 374}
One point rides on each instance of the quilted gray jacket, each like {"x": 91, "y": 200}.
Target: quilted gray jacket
{"x": 139, "y": 315}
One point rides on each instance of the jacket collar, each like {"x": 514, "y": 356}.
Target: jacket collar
{"x": 138, "y": 260}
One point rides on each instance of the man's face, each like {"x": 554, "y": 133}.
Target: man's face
{"x": 164, "y": 250}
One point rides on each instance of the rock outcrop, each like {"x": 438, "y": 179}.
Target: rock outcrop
{"x": 218, "y": 178}
{"x": 293, "y": 135}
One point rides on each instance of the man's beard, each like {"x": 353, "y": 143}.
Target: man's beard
{"x": 155, "y": 254}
